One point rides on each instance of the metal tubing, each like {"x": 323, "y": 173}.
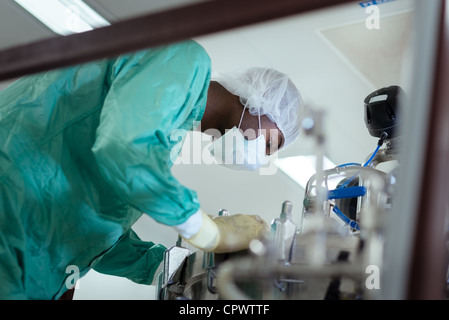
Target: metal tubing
{"x": 247, "y": 268}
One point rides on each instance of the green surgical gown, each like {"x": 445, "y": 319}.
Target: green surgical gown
{"x": 84, "y": 151}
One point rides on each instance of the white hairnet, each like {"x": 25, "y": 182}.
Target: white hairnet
{"x": 266, "y": 91}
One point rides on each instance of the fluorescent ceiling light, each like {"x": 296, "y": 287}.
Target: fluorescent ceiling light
{"x": 301, "y": 168}
{"x": 64, "y": 16}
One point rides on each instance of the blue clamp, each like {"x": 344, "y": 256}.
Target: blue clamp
{"x": 349, "y": 192}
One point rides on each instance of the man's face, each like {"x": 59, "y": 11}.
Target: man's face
{"x": 274, "y": 139}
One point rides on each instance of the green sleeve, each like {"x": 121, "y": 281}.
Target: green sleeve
{"x": 11, "y": 271}
{"x": 153, "y": 94}
{"x": 132, "y": 258}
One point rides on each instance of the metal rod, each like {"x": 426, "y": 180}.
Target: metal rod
{"x": 148, "y": 31}
{"x": 247, "y": 268}
{"x": 429, "y": 257}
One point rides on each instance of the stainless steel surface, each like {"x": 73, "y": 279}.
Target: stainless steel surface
{"x": 388, "y": 153}
{"x": 167, "y": 282}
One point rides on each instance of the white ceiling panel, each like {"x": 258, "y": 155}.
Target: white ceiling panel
{"x": 377, "y": 54}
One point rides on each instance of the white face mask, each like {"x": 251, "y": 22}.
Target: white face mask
{"x": 232, "y": 150}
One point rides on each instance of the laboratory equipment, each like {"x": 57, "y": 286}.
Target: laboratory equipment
{"x": 334, "y": 250}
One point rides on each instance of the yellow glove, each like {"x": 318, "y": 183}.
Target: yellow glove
{"x": 228, "y": 233}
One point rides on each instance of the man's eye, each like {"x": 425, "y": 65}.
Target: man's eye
{"x": 269, "y": 148}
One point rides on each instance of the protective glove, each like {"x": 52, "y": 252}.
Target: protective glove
{"x": 228, "y": 233}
